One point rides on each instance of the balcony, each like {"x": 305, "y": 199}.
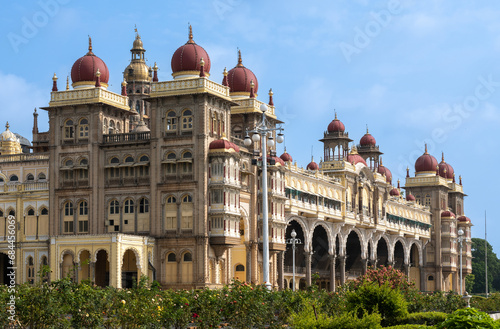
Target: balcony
{"x": 141, "y": 137}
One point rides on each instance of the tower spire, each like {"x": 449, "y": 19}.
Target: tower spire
{"x": 240, "y": 61}
{"x": 90, "y": 47}
{"x": 190, "y": 34}
{"x": 35, "y": 122}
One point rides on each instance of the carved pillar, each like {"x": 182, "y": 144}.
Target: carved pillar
{"x": 333, "y": 259}
{"x": 77, "y": 269}
{"x": 255, "y": 262}
{"x": 407, "y": 271}
{"x": 364, "y": 263}
{"x": 249, "y": 263}
{"x": 423, "y": 286}
{"x": 92, "y": 272}
{"x": 308, "y": 268}
{"x": 281, "y": 270}
{"x": 342, "y": 269}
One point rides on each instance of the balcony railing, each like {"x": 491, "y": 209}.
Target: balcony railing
{"x": 126, "y": 138}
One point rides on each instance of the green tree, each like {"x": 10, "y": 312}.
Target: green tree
{"x": 478, "y": 262}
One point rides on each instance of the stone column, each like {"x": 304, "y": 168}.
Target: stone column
{"x": 255, "y": 262}
{"x": 281, "y": 270}
{"x": 342, "y": 269}
{"x": 308, "y": 268}
{"x": 333, "y": 259}
{"x": 407, "y": 271}
{"x": 248, "y": 263}
{"x": 92, "y": 272}
{"x": 364, "y": 263}
{"x": 423, "y": 286}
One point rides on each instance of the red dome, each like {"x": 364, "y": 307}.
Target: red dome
{"x": 384, "y": 170}
{"x": 394, "y": 192}
{"x": 286, "y": 157}
{"x": 410, "y": 197}
{"x": 85, "y": 68}
{"x": 336, "y": 126}
{"x": 463, "y": 219}
{"x": 312, "y": 165}
{"x": 426, "y": 162}
{"x": 445, "y": 169}
{"x": 367, "y": 140}
{"x": 279, "y": 160}
{"x": 188, "y": 56}
{"x": 223, "y": 143}
{"x": 447, "y": 214}
{"x": 355, "y": 158}
{"x": 239, "y": 78}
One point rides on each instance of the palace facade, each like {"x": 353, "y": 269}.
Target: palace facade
{"x": 157, "y": 181}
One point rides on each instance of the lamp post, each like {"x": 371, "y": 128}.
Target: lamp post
{"x": 260, "y": 132}
{"x": 460, "y": 240}
{"x": 293, "y": 241}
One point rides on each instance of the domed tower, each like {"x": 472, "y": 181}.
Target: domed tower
{"x": 336, "y": 142}
{"x": 186, "y": 60}
{"x": 241, "y": 81}
{"x": 9, "y": 142}
{"x": 138, "y": 76}
{"x": 89, "y": 68}
{"x": 369, "y": 150}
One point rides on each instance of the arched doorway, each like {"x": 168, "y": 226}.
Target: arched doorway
{"x": 353, "y": 264}
{"x": 399, "y": 256}
{"x": 102, "y": 269}
{"x": 84, "y": 268}
{"x": 415, "y": 265}
{"x": 129, "y": 269}
{"x": 300, "y": 261}
{"x": 382, "y": 253}
{"x": 320, "y": 260}
{"x": 4, "y": 263}
{"x": 68, "y": 267}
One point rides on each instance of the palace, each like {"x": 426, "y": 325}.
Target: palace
{"x": 157, "y": 181}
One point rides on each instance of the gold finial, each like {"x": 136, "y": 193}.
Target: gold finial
{"x": 225, "y": 72}
{"x": 90, "y": 47}
{"x": 155, "y": 68}
{"x": 271, "y": 92}
{"x": 285, "y": 150}
{"x": 224, "y": 135}
{"x": 54, "y": 78}
{"x": 335, "y": 114}
{"x": 7, "y": 126}
{"x": 124, "y": 82}
{"x": 190, "y": 34}
{"x": 98, "y": 73}
{"x": 367, "y": 128}
{"x": 67, "y": 82}
{"x": 202, "y": 62}
{"x": 252, "y": 85}
{"x": 381, "y": 161}
{"x": 425, "y": 149}
{"x": 442, "y": 157}
{"x": 240, "y": 62}
{"x": 354, "y": 150}
{"x": 135, "y": 28}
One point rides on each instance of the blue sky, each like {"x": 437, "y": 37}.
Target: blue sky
{"x": 413, "y": 71}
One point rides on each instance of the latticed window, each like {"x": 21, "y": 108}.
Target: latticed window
{"x": 83, "y": 128}
{"x": 171, "y": 213}
{"x": 68, "y": 218}
{"x": 143, "y": 206}
{"x": 69, "y": 132}
{"x": 187, "y": 120}
{"x": 187, "y": 164}
{"x": 30, "y": 270}
{"x": 114, "y": 207}
{"x": 128, "y": 208}
{"x": 187, "y": 212}
{"x": 171, "y": 122}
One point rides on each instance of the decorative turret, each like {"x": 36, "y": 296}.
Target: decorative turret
{"x": 84, "y": 70}
{"x": 186, "y": 59}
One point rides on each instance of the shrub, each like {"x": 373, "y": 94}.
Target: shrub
{"x": 372, "y": 298}
{"x": 351, "y": 321}
{"x": 427, "y": 318}
{"x": 468, "y": 318}
{"x": 490, "y": 304}
{"x": 408, "y": 326}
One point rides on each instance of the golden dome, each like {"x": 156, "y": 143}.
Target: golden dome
{"x": 7, "y": 135}
{"x": 137, "y": 45}
{"x": 137, "y": 71}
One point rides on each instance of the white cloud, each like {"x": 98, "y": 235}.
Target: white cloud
{"x": 18, "y": 98}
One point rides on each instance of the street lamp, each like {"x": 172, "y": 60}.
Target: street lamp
{"x": 460, "y": 240}
{"x": 260, "y": 132}
{"x": 293, "y": 241}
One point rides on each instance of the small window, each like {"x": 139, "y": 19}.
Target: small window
{"x": 171, "y": 122}
{"x": 30, "y": 177}
{"x": 45, "y": 211}
{"x": 84, "y": 209}
{"x": 129, "y": 159}
{"x": 144, "y": 158}
{"x": 68, "y": 209}
{"x": 84, "y": 162}
{"x": 171, "y": 199}
{"x": 31, "y": 212}
{"x": 143, "y": 206}
{"x": 114, "y": 207}
{"x": 187, "y": 155}
{"x": 240, "y": 268}
{"x": 430, "y": 278}
{"x": 1, "y": 213}
{"x": 128, "y": 207}
{"x": 187, "y": 120}
{"x": 42, "y": 176}
{"x": 187, "y": 198}
{"x": 188, "y": 257}
{"x": 14, "y": 178}
{"x": 171, "y": 257}
{"x": 114, "y": 160}
{"x": 68, "y": 163}
{"x": 171, "y": 156}
{"x": 12, "y": 213}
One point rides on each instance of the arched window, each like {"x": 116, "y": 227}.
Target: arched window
{"x": 187, "y": 120}
{"x": 111, "y": 129}
{"x": 114, "y": 160}
{"x": 84, "y": 162}
{"x": 68, "y": 226}
{"x": 83, "y": 217}
{"x": 69, "y": 132}
{"x": 114, "y": 207}
{"x": 171, "y": 122}
{"x": 427, "y": 201}
{"x": 30, "y": 270}
{"x": 12, "y": 212}
{"x": 129, "y": 159}
{"x": 171, "y": 165}
{"x": 83, "y": 172}
{"x": 240, "y": 268}
{"x": 187, "y": 267}
{"x": 143, "y": 206}
{"x": 83, "y": 128}
{"x": 41, "y": 176}
{"x": 1, "y": 213}
{"x": 30, "y": 177}
{"x": 31, "y": 212}
{"x": 44, "y": 262}
{"x": 118, "y": 128}
{"x": 144, "y": 158}
{"x": 171, "y": 213}
{"x": 187, "y": 212}
{"x": 171, "y": 268}
{"x": 187, "y": 164}
{"x": 68, "y": 163}
{"x": 105, "y": 126}
{"x": 44, "y": 211}
{"x": 128, "y": 207}
{"x": 14, "y": 178}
